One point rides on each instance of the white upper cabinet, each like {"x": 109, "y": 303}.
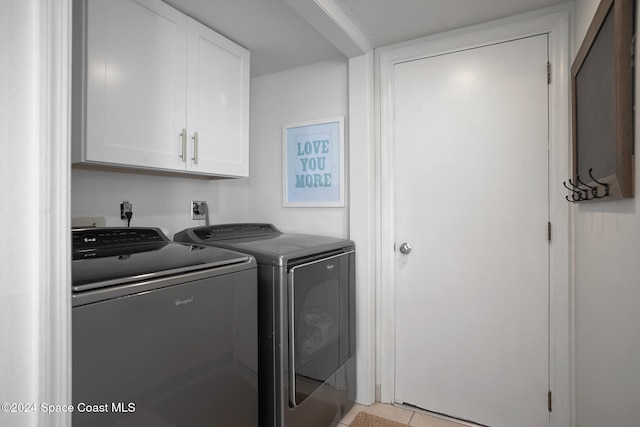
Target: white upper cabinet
{"x": 217, "y": 103}
{"x": 158, "y": 91}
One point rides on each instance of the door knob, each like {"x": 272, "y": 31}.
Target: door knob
{"x": 405, "y": 248}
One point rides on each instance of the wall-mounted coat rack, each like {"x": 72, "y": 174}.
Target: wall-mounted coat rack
{"x": 602, "y": 82}
{"x": 584, "y": 192}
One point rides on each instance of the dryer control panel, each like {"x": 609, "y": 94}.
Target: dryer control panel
{"x": 234, "y": 231}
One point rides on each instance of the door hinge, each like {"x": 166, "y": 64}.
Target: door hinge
{"x": 633, "y": 51}
{"x": 548, "y": 72}
{"x": 550, "y": 405}
{"x": 549, "y": 231}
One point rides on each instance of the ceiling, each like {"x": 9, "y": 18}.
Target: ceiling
{"x": 285, "y": 34}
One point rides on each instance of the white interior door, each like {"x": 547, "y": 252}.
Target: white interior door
{"x": 472, "y": 313}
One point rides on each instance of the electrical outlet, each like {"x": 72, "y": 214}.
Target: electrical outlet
{"x": 125, "y": 208}
{"x": 198, "y": 210}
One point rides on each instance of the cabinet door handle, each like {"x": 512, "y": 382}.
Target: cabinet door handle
{"x": 195, "y": 148}
{"x": 183, "y": 154}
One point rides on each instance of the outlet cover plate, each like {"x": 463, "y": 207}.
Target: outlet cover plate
{"x": 198, "y": 210}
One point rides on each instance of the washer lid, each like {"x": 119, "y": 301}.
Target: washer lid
{"x": 103, "y": 264}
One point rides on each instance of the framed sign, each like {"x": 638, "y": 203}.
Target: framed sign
{"x": 603, "y": 106}
{"x": 314, "y": 163}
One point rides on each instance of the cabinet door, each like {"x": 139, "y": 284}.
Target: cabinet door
{"x": 218, "y": 104}
{"x": 136, "y": 83}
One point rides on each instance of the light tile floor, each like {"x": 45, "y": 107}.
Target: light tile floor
{"x": 401, "y": 415}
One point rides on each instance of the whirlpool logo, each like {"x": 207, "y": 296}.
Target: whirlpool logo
{"x": 182, "y": 302}
{"x": 330, "y": 266}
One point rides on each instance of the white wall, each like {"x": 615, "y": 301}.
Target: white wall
{"x": 362, "y": 217}
{"x": 20, "y": 183}
{"x": 158, "y": 201}
{"x": 607, "y": 298}
{"x": 308, "y": 93}
{"x": 34, "y": 292}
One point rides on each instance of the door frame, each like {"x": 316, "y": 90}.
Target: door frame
{"x": 553, "y": 21}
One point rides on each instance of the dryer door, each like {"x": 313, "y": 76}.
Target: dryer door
{"x": 320, "y": 322}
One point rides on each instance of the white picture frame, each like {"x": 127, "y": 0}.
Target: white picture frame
{"x": 313, "y": 168}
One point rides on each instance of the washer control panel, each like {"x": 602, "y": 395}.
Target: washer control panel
{"x": 93, "y": 238}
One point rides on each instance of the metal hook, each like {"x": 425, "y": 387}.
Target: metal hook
{"x": 594, "y": 190}
{"x": 573, "y": 196}
{"x": 581, "y": 191}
